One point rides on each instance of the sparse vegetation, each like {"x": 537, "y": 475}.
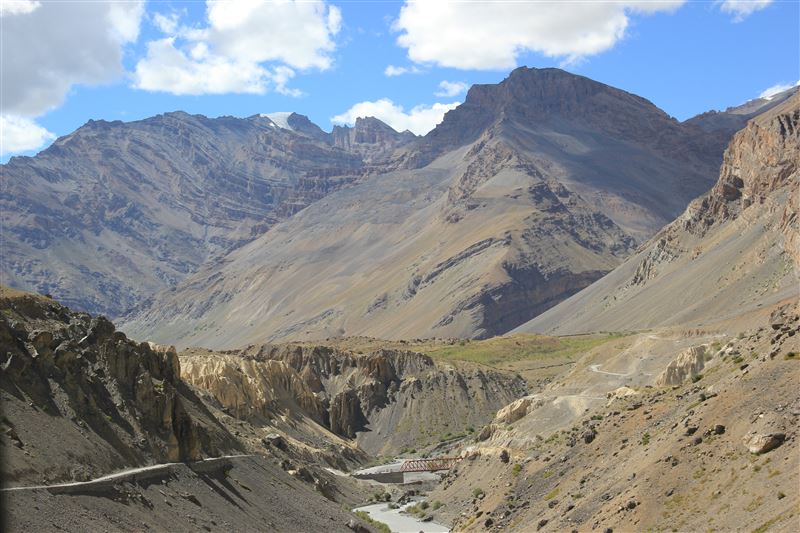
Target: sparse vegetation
{"x": 552, "y": 494}
{"x": 697, "y": 378}
{"x": 645, "y": 439}
{"x": 794, "y": 356}
{"x": 755, "y": 504}
{"x": 516, "y": 470}
{"x": 517, "y": 348}
{"x": 380, "y": 526}
{"x": 477, "y": 492}
{"x": 382, "y": 497}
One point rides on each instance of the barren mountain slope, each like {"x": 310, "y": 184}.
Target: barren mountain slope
{"x": 674, "y": 429}
{"x": 115, "y": 212}
{"x": 525, "y": 194}
{"x": 101, "y": 433}
{"x": 736, "y": 248}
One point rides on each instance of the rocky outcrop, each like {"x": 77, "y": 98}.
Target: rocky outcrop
{"x": 515, "y": 410}
{"x": 688, "y": 364}
{"x": 77, "y": 372}
{"x": 369, "y": 137}
{"x": 761, "y": 160}
{"x": 252, "y": 390}
{"x": 365, "y": 397}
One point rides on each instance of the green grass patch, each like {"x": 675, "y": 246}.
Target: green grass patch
{"x": 498, "y": 350}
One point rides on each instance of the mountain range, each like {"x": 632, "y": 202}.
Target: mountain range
{"x": 227, "y": 231}
{"x": 525, "y": 194}
{"x": 114, "y": 212}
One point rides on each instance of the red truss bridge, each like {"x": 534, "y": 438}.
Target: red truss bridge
{"x": 429, "y": 465}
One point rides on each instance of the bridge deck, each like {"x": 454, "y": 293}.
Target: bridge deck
{"x": 429, "y": 465}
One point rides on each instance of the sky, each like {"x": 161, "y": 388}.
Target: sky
{"x": 66, "y": 62}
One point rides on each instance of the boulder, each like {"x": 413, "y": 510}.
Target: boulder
{"x": 763, "y": 443}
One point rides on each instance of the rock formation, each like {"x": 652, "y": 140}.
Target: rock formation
{"x": 110, "y": 401}
{"x": 386, "y": 400}
{"x": 688, "y": 364}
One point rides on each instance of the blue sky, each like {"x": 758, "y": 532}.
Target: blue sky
{"x": 67, "y": 62}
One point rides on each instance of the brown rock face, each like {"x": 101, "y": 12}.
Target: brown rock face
{"x": 762, "y": 160}
{"x": 125, "y": 397}
{"x": 365, "y": 397}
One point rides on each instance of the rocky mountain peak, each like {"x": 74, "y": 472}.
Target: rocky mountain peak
{"x": 370, "y": 138}
{"x": 302, "y": 124}
{"x": 551, "y": 98}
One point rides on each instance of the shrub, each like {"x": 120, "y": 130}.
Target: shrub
{"x": 697, "y": 378}
{"x": 477, "y": 492}
{"x": 516, "y": 470}
{"x": 380, "y": 526}
{"x": 645, "y": 439}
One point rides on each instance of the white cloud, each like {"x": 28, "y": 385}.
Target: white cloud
{"x": 18, "y": 7}
{"x": 393, "y": 70}
{"x": 451, "y": 88}
{"x": 57, "y": 45}
{"x": 19, "y": 134}
{"x": 166, "y": 23}
{"x": 741, "y": 9}
{"x": 420, "y": 119}
{"x": 280, "y": 77}
{"x": 248, "y": 46}
{"x": 775, "y": 89}
{"x": 491, "y": 35}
